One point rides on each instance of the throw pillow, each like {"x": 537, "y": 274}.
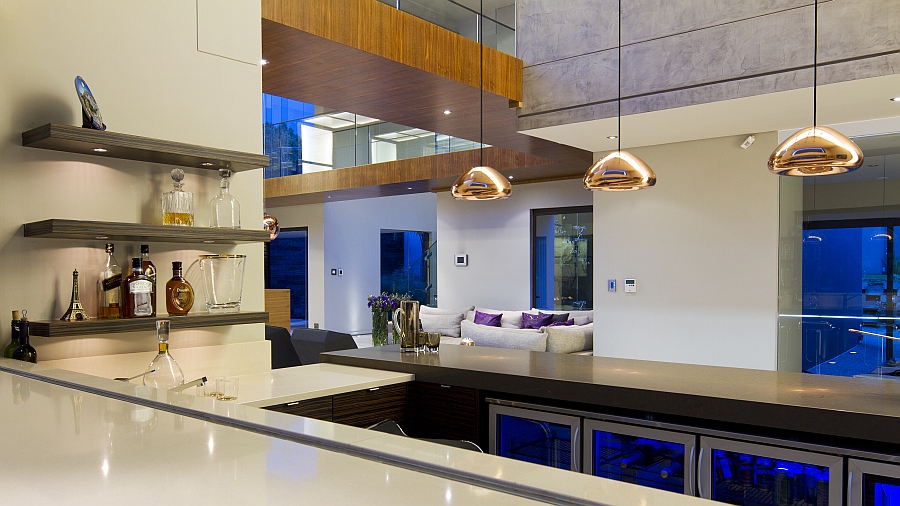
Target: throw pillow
{"x": 558, "y": 317}
{"x": 582, "y": 320}
{"x": 536, "y": 321}
{"x": 491, "y": 320}
{"x": 563, "y": 324}
{"x": 446, "y": 324}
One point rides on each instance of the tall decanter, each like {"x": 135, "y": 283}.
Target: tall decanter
{"x": 224, "y": 209}
{"x": 109, "y": 287}
{"x": 166, "y": 373}
{"x": 178, "y": 205}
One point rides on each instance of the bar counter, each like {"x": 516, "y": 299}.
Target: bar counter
{"x": 850, "y": 412}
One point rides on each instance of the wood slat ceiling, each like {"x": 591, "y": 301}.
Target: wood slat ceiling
{"x": 311, "y": 68}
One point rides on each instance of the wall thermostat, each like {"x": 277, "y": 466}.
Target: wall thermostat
{"x": 630, "y": 286}
{"x": 461, "y": 260}
{"x": 611, "y": 285}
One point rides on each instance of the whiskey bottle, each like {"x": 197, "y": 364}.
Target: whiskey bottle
{"x": 179, "y": 293}
{"x": 150, "y": 271}
{"x": 109, "y": 287}
{"x": 16, "y": 328}
{"x": 24, "y": 352}
{"x": 137, "y": 291}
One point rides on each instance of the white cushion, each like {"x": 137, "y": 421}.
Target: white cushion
{"x": 498, "y": 337}
{"x": 582, "y": 320}
{"x": 446, "y": 324}
{"x": 572, "y": 314}
{"x": 509, "y": 320}
{"x": 434, "y": 310}
{"x": 570, "y": 338}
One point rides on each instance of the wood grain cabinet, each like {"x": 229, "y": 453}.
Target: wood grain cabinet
{"x": 318, "y": 408}
{"x": 362, "y": 408}
{"x": 444, "y": 412}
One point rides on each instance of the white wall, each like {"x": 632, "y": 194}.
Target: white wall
{"x": 353, "y": 243}
{"x": 703, "y": 247}
{"x": 497, "y": 237}
{"x": 142, "y": 63}
{"x": 310, "y": 216}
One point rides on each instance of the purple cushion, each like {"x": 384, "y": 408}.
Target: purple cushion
{"x": 491, "y": 320}
{"x": 558, "y": 317}
{"x": 536, "y": 321}
{"x": 570, "y": 321}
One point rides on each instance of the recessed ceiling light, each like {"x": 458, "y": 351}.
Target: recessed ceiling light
{"x": 101, "y": 237}
{"x": 510, "y": 177}
{"x": 206, "y": 164}
{"x": 209, "y": 242}
{"x": 409, "y": 188}
{"x": 612, "y": 136}
{"x": 263, "y": 61}
{"x": 895, "y": 99}
{"x": 447, "y": 111}
{"x": 100, "y": 150}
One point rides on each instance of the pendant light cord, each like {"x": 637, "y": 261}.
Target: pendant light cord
{"x": 481, "y": 79}
{"x": 815, "y": 59}
{"x": 619, "y": 127}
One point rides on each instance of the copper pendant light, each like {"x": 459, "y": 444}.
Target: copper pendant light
{"x": 619, "y": 171}
{"x": 481, "y": 183}
{"x": 815, "y": 150}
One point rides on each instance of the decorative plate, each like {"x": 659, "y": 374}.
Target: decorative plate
{"x": 88, "y": 104}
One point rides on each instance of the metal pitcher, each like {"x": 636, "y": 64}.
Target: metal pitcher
{"x": 406, "y": 324}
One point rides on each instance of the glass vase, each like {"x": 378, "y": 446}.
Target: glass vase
{"x": 379, "y": 328}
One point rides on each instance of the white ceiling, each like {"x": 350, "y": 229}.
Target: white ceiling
{"x": 850, "y": 101}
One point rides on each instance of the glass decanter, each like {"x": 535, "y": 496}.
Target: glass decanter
{"x": 165, "y": 373}
{"x": 224, "y": 210}
{"x": 178, "y": 205}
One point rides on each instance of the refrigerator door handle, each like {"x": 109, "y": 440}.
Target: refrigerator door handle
{"x": 576, "y": 450}
{"x": 850, "y": 487}
{"x": 702, "y": 473}
{"x": 692, "y": 479}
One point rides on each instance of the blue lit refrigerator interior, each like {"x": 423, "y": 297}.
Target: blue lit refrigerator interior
{"x": 653, "y": 458}
{"x": 538, "y": 437}
{"x": 873, "y": 483}
{"x": 736, "y": 472}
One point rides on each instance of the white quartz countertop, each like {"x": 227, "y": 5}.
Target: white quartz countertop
{"x": 310, "y": 381}
{"x": 99, "y": 441}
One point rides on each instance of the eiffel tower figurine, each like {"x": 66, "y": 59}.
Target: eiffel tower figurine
{"x": 76, "y": 310}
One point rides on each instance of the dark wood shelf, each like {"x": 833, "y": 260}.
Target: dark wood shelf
{"x": 103, "y": 230}
{"x": 57, "y": 328}
{"x": 86, "y": 141}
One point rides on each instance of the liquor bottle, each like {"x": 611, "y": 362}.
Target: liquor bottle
{"x": 642, "y": 454}
{"x": 166, "y": 373}
{"x": 178, "y": 205}
{"x": 16, "y": 329}
{"x": 675, "y": 469}
{"x": 137, "y": 293}
{"x": 150, "y": 271}
{"x": 224, "y": 210}
{"x": 109, "y": 287}
{"x": 24, "y": 352}
{"x": 179, "y": 293}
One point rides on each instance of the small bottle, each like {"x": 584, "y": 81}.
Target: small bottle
{"x": 16, "y": 329}
{"x": 24, "y": 352}
{"x": 150, "y": 271}
{"x": 137, "y": 292}
{"x": 179, "y": 293}
{"x": 178, "y": 205}
{"x": 109, "y": 287}
{"x": 675, "y": 469}
{"x": 166, "y": 371}
{"x": 224, "y": 210}
{"x": 642, "y": 454}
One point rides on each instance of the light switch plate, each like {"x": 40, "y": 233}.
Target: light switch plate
{"x": 630, "y": 286}
{"x": 611, "y": 285}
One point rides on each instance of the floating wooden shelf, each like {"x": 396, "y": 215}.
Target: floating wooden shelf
{"x": 88, "y": 141}
{"x": 102, "y": 230}
{"x": 57, "y": 328}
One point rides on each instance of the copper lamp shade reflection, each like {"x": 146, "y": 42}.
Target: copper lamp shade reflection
{"x": 815, "y": 151}
{"x": 619, "y": 171}
{"x": 481, "y": 183}
{"x": 270, "y": 225}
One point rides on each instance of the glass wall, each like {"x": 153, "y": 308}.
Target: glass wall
{"x": 461, "y": 16}
{"x": 287, "y": 267}
{"x": 562, "y": 258}
{"x": 839, "y": 272}
{"x": 301, "y": 138}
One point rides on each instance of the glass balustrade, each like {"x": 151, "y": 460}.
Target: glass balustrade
{"x": 301, "y": 138}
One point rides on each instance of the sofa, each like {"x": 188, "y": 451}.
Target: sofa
{"x": 454, "y": 324}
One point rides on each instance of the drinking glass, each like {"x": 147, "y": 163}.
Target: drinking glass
{"x": 227, "y": 389}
